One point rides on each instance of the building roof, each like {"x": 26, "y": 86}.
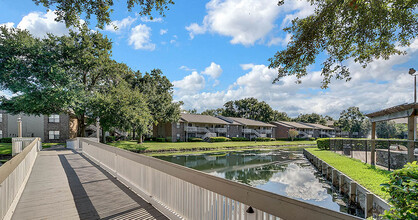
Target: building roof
{"x": 229, "y": 120}
{"x": 329, "y": 123}
{"x": 206, "y": 119}
{"x": 319, "y": 126}
{"x": 249, "y": 122}
{"x": 292, "y": 124}
{"x": 391, "y": 110}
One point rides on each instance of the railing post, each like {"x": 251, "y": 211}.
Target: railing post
{"x": 368, "y": 208}
{"x": 353, "y": 193}
{"x": 373, "y": 146}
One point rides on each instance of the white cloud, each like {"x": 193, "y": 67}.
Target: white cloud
{"x": 163, "y": 31}
{"x": 39, "y": 24}
{"x": 382, "y": 84}
{"x": 189, "y": 84}
{"x": 214, "y": 70}
{"x": 187, "y": 68}
{"x": 8, "y": 24}
{"x": 246, "y": 21}
{"x": 140, "y": 38}
{"x": 147, "y": 19}
{"x": 120, "y": 24}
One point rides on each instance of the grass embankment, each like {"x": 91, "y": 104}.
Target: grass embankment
{"x": 48, "y": 145}
{"x": 366, "y": 175}
{"x": 5, "y": 148}
{"x": 160, "y": 147}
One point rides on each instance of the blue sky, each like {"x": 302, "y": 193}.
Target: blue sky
{"x": 216, "y": 51}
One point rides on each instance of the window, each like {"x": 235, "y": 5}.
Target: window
{"x": 54, "y": 118}
{"x": 1, "y": 134}
{"x": 1, "y": 117}
{"x": 178, "y": 136}
{"x": 178, "y": 124}
{"x": 53, "y": 135}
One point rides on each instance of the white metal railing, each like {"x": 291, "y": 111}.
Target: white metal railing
{"x": 221, "y": 130}
{"x": 190, "y": 129}
{"x": 183, "y": 193}
{"x": 262, "y": 131}
{"x": 208, "y": 135}
{"x": 14, "y": 175}
{"x": 247, "y": 131}
{"x": 74, "y": 143}
{"x": 196, "y": 129}
{"x": 18, "y": 144}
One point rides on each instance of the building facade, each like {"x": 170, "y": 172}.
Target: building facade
{"x": 53, "y": 128}
{"x": 206, "y": 126}
{"x": 305, "y": 130}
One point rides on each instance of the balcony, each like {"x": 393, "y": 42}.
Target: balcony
{"x": 220, "y": 130}
{"x": 196, "y": 129}
{"x": 264, "y": 131}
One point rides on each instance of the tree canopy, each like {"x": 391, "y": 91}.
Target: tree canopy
{"x": 70, "y": 11}
{"x": 311, "y": 118}
{"x": 353, "y": 120}
{"x": 75, "y": 74}
{"x": 341, "y": 30}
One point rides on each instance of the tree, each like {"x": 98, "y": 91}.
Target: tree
{"x": 54, "y": 74}
{"x": 343, "y": 30}
{"x": 213, "y": 112}
{"x": 69, "y": 11}
{"x": 293, "y": 133}
{"x": 385, "y": 129}
{"x": 311, "y": 118}
{"x": 280, "y": 116}
{"x": 352, "y": 120}
{"x": 249, "y": 108}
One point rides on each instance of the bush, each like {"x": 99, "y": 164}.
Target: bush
{"x": 160, "y": 139}
{"x": 169, "y": 139}
{"x": 195, "y": 139}
{"x": 218, "y": 139}
{"x": 323, "y": 143}
{"x": 239, "y": 139}
{"x": 312, "y": 139}
{"x": 110, "y": 139}
{"x": 149, "y": 139}
{"x": 403, "y": 190}
{"x": 264, "y": 139}
{"x": 5, "y": 140}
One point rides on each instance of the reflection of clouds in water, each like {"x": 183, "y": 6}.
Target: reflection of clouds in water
{"x": 301, "y": 183}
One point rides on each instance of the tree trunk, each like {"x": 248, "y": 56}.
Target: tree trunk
{"x": 103, "y": 136}
{"x": 81, "y": 126}
{"x": 133, "y": 134}
{"x": 140, "y": 138}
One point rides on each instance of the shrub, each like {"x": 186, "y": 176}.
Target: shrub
{"x": 403, "y": 190}
{"x": 312, "y": 139}
{"x": 323, "y": 143}
{"x": 264, "y": 139}
{"x": 5, "y": 140}
{"x": 239, "y": 139}
{"x": 169, "y": 139}
{"x": 149, "y": 139}
{"x": 218, "y": 139}
{"x": 160, "y": 139}
{"x": 195, "y": 139}
{"x": 110, "y": 139}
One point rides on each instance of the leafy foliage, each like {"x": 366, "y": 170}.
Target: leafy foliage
{"x": 70, "y": 11}
{"x": 403, "y": 190}
{"x": 195, "y": 139}
{"x": 352, "y": 29}
{"x": 293, "y": 133}
{"x": 352, "y": 120}
{"x": 323, "y": 143}
{"x": 249, "y": 108}
{"x": 311, "y": 118}
{"x": 219, "y": 139}
{"x": 239, "y": 139}
{"x": 264, "y": 139}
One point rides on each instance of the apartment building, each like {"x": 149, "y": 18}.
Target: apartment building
{"x": 306, "y": 130}
{"x": 206, "y": 126}
{"x": 52, "y": 128}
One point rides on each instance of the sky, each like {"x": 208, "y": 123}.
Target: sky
{"x": 218, "y": 50}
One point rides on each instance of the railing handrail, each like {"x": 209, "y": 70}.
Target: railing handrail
{"x": 7, "y": 168}
{"x": 268, "y": 202}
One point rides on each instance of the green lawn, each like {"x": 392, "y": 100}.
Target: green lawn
{"x": 48, "y": 145}
{"x": 149, "y": 147}
{"x": 5, "y": 148}
{"x": 365, "y": 174}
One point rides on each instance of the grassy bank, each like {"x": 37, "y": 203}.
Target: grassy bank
{"x": 366, "y": 175}
{"x": 159, "y": 147}
{"x": 5, "y": 148}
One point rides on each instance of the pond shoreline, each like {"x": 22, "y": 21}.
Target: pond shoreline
{"x": 224, "y": 149}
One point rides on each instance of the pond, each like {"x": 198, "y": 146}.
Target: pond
{"x": 282, "y": 172}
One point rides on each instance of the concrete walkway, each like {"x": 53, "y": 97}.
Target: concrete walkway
{"x": 66, "y": 185}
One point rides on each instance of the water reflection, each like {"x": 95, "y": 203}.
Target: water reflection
{"x": 282, "y": 172}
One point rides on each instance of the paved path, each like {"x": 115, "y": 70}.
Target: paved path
{"x": 66, "y": 185}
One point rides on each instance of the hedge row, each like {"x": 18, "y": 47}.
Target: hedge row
{"x": 5, "y": 140}
{"x": 323, "y": 143}
{"x": 239, "y": 139}
{"x": 264, "y": 139}
{"x": 219, "y": 139}
{"x": 195, "y": 139}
